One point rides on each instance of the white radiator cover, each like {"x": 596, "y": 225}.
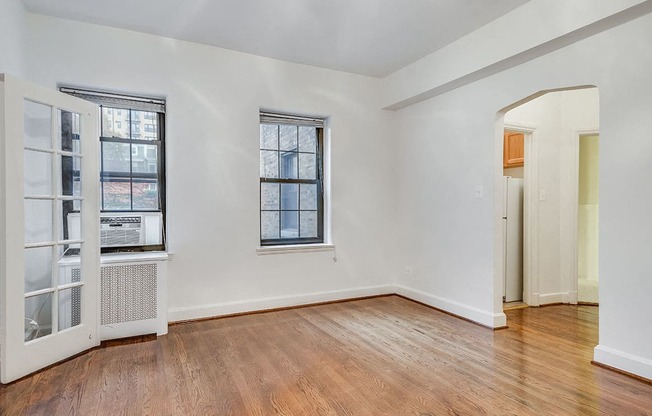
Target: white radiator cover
{"x": 133, "y": 295}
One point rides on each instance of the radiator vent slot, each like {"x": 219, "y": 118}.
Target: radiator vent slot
{"x": 128, "y": 293}
{"x": 75, "y": 298}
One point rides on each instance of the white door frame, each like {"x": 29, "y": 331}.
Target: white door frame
{"x": 570, "y": 280}
{"x": 530, "y": 212}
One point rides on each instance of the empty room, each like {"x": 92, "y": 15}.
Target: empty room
{"x": 303, "y": 207}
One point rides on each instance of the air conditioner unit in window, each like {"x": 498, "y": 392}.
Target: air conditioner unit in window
{"x": 122, "y": 231}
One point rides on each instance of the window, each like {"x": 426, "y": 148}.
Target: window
{"x": 129, "y": 165}
{"x": 291, "y": 180}
{"x": 132, "y": 175}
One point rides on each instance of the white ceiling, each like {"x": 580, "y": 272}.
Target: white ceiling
{"x": 371, "y": 37}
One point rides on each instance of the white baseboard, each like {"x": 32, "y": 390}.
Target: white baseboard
{"x": 572, "y": 297}
{"x": 252, "y": 305}
{"x": 485, "y": 318}
{"x": 623, "y": 361}
{"x": 559, "y": 297}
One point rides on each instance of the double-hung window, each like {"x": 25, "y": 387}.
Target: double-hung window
{"x": 291, "y": 180}
{"x": 132, "y": 174}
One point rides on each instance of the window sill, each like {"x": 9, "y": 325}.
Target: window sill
{"x": 133, "y": 257}
{"x": 294, "y": 248}
{"x": 110, "y": 258}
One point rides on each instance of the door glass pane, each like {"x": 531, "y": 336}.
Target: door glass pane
{"x": 144, "y": 158}
{"x": 269, "y": 136}
{"x": 38, "y": 125}
{"x": 268, "y": 164}
{"x": 116, "y": 157}
{"x": 308, "y": 223}
{"x": 290, "y": 196}
{"x": 38, "y": 220}
{"x": 115, "y": 122}
{"x": 308, "y": 196}
{"x": 269, "y": 224}
{"x": 117, "y": 195}
{"x": 38, "y": 173}
{"x": 38, "y": 316}
{"x": 38, "y": 268}
{"x": 69, "y": 264}
{"x": 68, "y": 220}
{"x": 307, "y": 166}
{"x": 289, "y": 224}
{"x": 69, "y": 131}
{"x": 269, "y": 196}
{"x": 145, "y": 194}
{"x": 69, "y": 308}
{"x": 70, "y": 183}
{"x": 307, "y": 139}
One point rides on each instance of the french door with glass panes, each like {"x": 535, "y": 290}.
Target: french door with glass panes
{"x": 49, "y": 218}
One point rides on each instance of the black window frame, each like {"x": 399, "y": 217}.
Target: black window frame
{"x": 298, "y": 121}
{"x": 141, "y": 104}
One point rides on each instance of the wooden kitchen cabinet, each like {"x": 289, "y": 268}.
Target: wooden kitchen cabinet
{"x": 513, "y": 149}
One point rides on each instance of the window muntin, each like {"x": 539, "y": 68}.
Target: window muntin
{"x": 291, "y": 185}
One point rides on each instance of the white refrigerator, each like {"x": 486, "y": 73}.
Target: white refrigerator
{"x": 513, "y": 239}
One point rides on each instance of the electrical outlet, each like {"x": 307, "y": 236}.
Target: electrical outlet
{"x": 407, "y": 271}
{"x": 479, "y": 192}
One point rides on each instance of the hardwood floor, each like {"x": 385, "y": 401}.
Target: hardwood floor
{"x": 382, "y": 356}
{"x": 514, "y": 305}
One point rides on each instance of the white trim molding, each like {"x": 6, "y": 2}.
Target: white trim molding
{"x": 620, "y": 360}
{"x": 530, "y": 213}
{"x": 294, "y": 248}
{"x": 482, "y": 317}
{"x": 559, "y": 297}
{"x": 252, "y": 305}
{"x": 569, "y": 252}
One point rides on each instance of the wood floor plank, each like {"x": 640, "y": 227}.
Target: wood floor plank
{"x": 380, "y": 356}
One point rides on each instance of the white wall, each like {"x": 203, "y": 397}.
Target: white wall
{"x": 12, "y": 36}
{"x": 449, "y": 235}
{"x": 213, "y": 98}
